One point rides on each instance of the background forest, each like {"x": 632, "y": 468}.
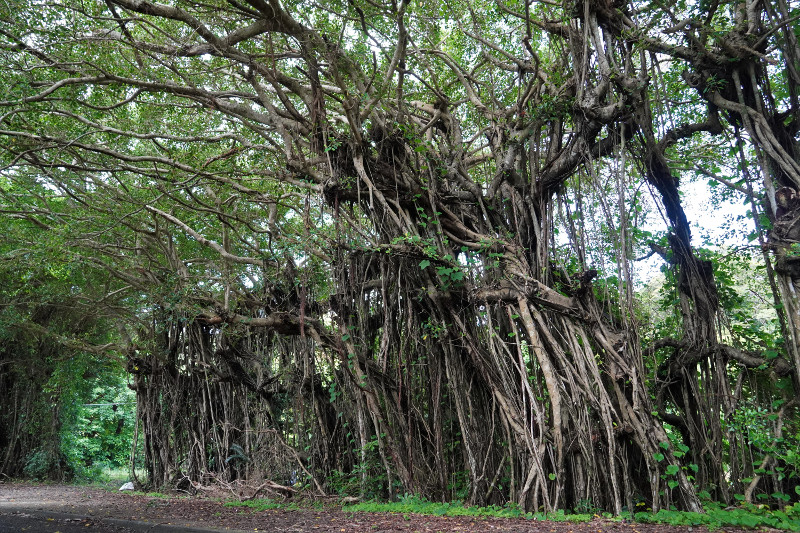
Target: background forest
{"x": 408, "y": 247}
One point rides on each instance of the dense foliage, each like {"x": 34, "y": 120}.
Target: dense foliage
{"x": 51, "y": 364}
{"x": 391, "y": 248}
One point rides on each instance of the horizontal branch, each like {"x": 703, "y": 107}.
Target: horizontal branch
{"x": 748, "y": 359}
{"x": 208, "y": 242}
{"x": 71, "y": 342}
{"x": 278, "y": 322}
{"x": 534, "y": 290}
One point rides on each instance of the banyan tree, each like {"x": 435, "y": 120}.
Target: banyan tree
{"x": 391, "y": 247}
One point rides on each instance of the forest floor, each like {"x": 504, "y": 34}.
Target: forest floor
{"x": 105, "y": 511}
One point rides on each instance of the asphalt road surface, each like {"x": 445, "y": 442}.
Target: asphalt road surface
{"x": 39, "y": 521}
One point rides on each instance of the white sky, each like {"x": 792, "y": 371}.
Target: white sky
{"x": 709, "y": 224}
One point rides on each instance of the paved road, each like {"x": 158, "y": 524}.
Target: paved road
{"x": 39, "y": 521}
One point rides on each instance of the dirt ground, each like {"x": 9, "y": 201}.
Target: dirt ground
{"x": 209, "y": 512}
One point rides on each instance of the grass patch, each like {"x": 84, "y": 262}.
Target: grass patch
{"x": 264, "y": 504}
{"x": 109, "y": 478}
{"x": 413, "y": 504}
{"x": 151, "y": 494}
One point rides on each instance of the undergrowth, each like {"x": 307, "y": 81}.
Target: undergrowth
{"x": 715, "y": 517}
{"x": 746, "y": 516}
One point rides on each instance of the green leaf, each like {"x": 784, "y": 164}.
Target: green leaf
{"x": 424, "y": 264}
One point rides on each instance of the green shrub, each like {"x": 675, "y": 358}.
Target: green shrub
{"x": 41, "y": 464}
{"x": 747, "y": 516}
